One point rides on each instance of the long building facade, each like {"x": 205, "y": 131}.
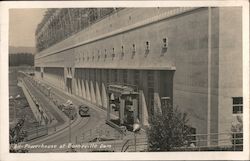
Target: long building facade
{"x": 193, "y": 56}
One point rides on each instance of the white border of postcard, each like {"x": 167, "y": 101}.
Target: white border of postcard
{"x": 4, "y": 120}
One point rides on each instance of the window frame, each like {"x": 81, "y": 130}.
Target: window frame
{"x": 237, "y": 104}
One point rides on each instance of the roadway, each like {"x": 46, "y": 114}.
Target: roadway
{"x": 79, "y": 127}
{"x": 48, "y": 106}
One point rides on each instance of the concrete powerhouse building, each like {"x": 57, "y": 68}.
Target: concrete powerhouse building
{"x": 191, "y": 55}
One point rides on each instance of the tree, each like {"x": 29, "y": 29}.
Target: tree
{"x": 238, "y": 125}
{"x": 168, "y": 130}
{"x": 237, "y": 132}
{"x": 17, "y": 135}
{"x": 18, "y": 59}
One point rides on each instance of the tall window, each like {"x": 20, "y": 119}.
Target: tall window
{"x": 237, "y": 105}
{"x": 125, "y": 76}
{"x": 107, "y": 75}
{"x": 115, "y": 75}
{"x": 136, "y": 78}
{"x": 94, "y": 75}
{"x": 86, "y": 74}
{"x": 150, "y": 78}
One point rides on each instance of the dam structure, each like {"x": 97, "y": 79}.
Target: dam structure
{"x": 191, "y": 56}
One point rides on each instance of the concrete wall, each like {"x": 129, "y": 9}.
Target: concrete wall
{"x": 82, "y": 56}
{"x": 123, "y": 18}
{"x": 203, "y": 52}
{"x": 55, "y": 76}
{"x": 230, "y": 66}
{"x": 213, "y": 71}
{"x": 189, "y": 40}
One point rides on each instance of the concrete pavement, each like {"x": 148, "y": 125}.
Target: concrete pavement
{"x": 82, "y": 129}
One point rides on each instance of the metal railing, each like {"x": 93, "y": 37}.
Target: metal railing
{"x": 217, "y": 142}
{"x": 43, "y": 112}
{"x": 141, "y": 144}
{"x": 214, "y": 142}
{"x": 36, "y": 133}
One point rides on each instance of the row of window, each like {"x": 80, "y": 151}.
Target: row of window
{"x": 122, "y": 76}
{"x": 147, "y": 48}
{"x": 116, "y": 76}
{"x": 237, "y": 102}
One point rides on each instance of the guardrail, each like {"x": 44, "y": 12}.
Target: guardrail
{"x": 135, "y": 145}
{"x": 44, "y": 114}
{"x": 223, "y": 142}
{"x": 47, "y": 92}
{"x": 217, "y": 141}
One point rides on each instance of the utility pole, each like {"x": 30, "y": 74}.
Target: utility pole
{"x": 15, "y": 104}
{"x": 70, "y": 109}
{"x": 136, "y": 128}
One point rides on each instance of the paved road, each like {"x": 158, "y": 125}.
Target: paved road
{"x": 82, "y": 125}
{"x": 46, "y": 104}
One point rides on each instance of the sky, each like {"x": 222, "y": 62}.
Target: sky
{"x": 23, "y": 23}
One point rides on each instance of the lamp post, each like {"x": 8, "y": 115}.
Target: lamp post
{"x": 69, "y": 130}
{"x": 136, "y": 129}
{"x": 70, "y": 108}
{"x": 49, "y": 92}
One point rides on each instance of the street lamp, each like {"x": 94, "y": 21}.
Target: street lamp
{"x": 136, "y": 129}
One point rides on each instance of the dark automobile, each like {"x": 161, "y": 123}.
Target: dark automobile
{"x": 84, "y": 111}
